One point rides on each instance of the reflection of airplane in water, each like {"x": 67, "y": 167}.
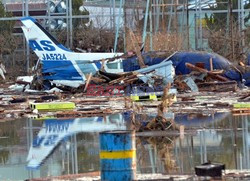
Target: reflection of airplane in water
{"x": 54, "y": 131}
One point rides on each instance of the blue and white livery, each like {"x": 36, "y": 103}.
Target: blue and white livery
{"x": 55, "y": 131}
{"x": 61, "y": 65}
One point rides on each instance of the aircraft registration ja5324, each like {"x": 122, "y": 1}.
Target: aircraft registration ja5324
{"x": 62, "y": 65}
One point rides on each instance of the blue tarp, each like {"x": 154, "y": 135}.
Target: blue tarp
{"x": 131, "y": 64}
{"x": 220, "y": 63}
{"x": 246, "y": 76}
{"x": 179, "y": 60}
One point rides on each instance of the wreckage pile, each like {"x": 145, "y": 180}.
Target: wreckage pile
{"x": 201, "y": 79}
{"x": 105, "y": 93}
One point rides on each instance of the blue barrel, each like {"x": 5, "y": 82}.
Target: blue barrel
{"x": 118, "y": 155}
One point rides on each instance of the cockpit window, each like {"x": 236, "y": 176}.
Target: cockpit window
{"x": 112, "y": 65}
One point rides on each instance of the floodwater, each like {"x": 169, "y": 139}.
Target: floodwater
{"x": 50, "y": 147}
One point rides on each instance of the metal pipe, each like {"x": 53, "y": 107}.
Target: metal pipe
{"x": 110, "y": 13}
{"x": 114, "y": 14}
{"x": 144, "y": 34}
{"x": 230, "y": 4}
{"x": 76, "y": 156}
{"x": 96, "y": 15}
{"x": 70, "y": 25}
{"x": 170, "y": 16}
{"x": 187, "y": 23}
{"x": 242, "y": 24}
{"x": 67, "y": 21}
{"x": 72, "y": 154}
{"x": 118, "y": 25}
{"x": 151, "y": 30}
{"x": 157, "y": 16}
{"x": 27, "y": 45}
{"x": 239, "y": 15}
{"x": 200, "y": 32}
{"x": 124, "y": 26}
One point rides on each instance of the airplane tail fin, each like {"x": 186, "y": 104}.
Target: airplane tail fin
{"x": 41, "y": 41}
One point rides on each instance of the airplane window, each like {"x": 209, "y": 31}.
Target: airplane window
{"x": 112, "y": 65}
{"x": 115, "y": 117}
{"x": 121, "y": 65}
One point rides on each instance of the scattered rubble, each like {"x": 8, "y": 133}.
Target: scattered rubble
{"x": 106, "y": 93}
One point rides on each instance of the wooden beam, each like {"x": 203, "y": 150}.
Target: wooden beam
{"x": 87, "y": 82}
{"x": 137, "y": 49}
{"x": 211, "y": 64}
{"x": 211, "y": 74}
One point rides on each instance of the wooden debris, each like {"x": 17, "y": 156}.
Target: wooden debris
{"x": 218, "y": 86}
{"x": 211, "y": 74}
{"x": 244, "y": 98}
{"x": 98, "y": 80}
{"x": 125, "y": 79}
{"x": 160, "y": 122}
{"x": 18, "y": 100}
{"x": 180, "y": 84}
{"x": 211, "y": 64}
{"x": 87, "y": 82}
{"x": 241, "y": 111}
{"x": 75, "y": 114}
{"x": 166, "y": 101}
{"x": 137, "y": 49}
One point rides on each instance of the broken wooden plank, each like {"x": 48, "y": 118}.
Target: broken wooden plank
{"x": 137, "y": 49}
{"x": 218, "y": 86}
{"x": 241, "y": 111}
{"x": 211, "y": 64}
{"x": 211, "y": 74}
{"x": 87, "y": 82}
{"x": 123, "y": 79}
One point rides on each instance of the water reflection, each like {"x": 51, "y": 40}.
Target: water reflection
{"x": 59, "y": 147}
{"x": 199, "y": 120}
{"x": 224, "y": 140}
{"x": 55, "y": 131}
{"x": 155, "y": 154}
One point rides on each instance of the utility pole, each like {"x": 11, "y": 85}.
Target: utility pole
{"x": 67, "y": 22}
{"x": 231, "y": 28}
{"x": 124, "y": 25}
{"x": 118, "y": 25}
{"x": 70, "y": 26}
{"x": 27, "y": 44}
{"x": 242, "y": 25}
{"x": 187, "y": 28}
{"x": 144, "y": 34}
{"x": 176, "y": 22}
{"x": 200, "y": 26}
{"x": 114, "y": 19}
{"x": 176, "y": 17}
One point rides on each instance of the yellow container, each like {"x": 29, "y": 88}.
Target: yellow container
{"x": 52, "y": 106}
{"x": 242, "y": 105}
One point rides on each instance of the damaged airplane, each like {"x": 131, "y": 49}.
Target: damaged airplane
{"x": 59, "y": 64}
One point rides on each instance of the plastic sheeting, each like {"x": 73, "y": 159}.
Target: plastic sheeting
{"x": 180, "y": 58}
{"x": 131, "y": 64}
{"x": 220, "y": 63}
